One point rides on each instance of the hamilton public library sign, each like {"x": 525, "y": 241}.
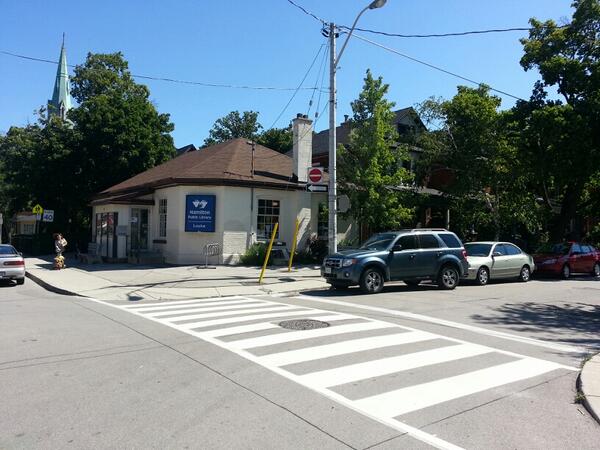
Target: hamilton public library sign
{"x": 200, "y": 213}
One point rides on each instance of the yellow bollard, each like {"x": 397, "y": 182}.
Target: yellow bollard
{"x": 294, "y": 245}
{"x": 262, "y": 272}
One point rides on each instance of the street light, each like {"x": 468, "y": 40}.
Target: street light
{"x": 333, "y": 63}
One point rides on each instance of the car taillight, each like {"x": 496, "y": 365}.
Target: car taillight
{"x": 14, "y": 263}
{"x": 464, "y": 252}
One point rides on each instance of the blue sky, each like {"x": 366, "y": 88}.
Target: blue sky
{"x": 265, "y": 43}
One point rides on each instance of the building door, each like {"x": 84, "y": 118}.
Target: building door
{"x": 139, "y": 229}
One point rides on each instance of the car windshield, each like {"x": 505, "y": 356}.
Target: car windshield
{"x": 478, "y": 249}
{"x": 555, "y": 249}
{"x": 378, "y": 242}
{"x": 6, "y": 251}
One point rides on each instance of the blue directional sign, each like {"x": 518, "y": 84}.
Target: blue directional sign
{"x": 200, "y": 213}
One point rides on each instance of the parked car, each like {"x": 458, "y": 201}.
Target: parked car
{"x": 497, "y": 260}
{"x": 567, "y": 258}
{"x": 408, "y": 255}
{"x": 12, "y": 265}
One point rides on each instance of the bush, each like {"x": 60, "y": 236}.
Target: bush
{"x": 254, "y": 255}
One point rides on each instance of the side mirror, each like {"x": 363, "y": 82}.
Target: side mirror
{"x": 497, "y": 254}
{"x": 397, "y": 248}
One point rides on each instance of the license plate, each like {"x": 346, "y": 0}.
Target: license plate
{"x": 327, "y": 270}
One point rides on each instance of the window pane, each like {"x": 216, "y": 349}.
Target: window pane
{"x": 500, "y": 249}
{"x": 450, "y": 240}
{"x": 428, "y": 241}
{"x": 512, "y": 250}
{"x": 408, "y": 242}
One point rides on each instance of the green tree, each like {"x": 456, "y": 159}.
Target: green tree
{"x": 561, "y": 139}
{"x": 490, "y": 191}
{"x": 120, "y": 131}
{"x": 278, "y": 139}
{"x": 370, "y": 167}
{"x": 233, "y": 126}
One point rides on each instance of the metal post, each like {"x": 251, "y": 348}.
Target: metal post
{"x": 262, "y": 272}
{"x": 294, "y": 243}
{"x": 332, "y": 230}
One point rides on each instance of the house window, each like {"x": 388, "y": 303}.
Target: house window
{"x": 28, "y": 228}
{"x": 162, "y": 218}
{"x": 268, "y": 216}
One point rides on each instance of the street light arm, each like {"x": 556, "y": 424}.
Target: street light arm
{"x": 337, "y": 59}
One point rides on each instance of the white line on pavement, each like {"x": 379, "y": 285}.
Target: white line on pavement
{"x": 196, "y": 305}
{"x": 200, "y": 300}
{"x": 244, "y": 307}
{"x": 448, "y": 323}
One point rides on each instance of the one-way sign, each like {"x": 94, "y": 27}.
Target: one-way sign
{"x": 317, "y": 187}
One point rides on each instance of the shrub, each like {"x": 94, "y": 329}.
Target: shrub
{"x": 254, "y": 255}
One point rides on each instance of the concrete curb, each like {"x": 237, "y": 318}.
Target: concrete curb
{"x": 49, "y": 287}
{"x": 588, "y": 383}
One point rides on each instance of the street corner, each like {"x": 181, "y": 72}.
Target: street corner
{"x": 589, "y": 386}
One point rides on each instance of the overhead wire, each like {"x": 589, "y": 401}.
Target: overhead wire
{"x": 299, "y": 87}
{"x": 319, "y": 77}
{"x": 432, "y": 66}
{"x": 172, "y": 80}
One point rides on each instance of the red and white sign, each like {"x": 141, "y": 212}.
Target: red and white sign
{"x": 315, "y": 174}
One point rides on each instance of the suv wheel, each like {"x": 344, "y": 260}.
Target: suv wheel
{"x": 483, "y": 276}
{"x": 596, "y": 270}
{"x": 371, "y": 281}
{"x": 448, "y": 278}
{"x": 566, "y": 272}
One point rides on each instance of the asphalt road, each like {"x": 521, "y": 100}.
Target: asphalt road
{"x": 479, "y": 367}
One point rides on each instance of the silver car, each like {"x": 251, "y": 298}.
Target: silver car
{"x": 497, "y": 260}
{"x": 12, "y": 265}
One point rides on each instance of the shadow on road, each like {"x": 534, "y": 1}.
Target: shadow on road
{"x": 7, "y": 283}
{"x": 563, "y": 320}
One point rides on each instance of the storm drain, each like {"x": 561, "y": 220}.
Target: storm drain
{"x": 303, "y": 324}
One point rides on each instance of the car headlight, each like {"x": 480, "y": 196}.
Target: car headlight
{"x": 348, "y": 262}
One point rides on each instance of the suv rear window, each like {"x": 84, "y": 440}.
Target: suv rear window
{"x": 450, "y": 240}
{"x": 428, "y": 241}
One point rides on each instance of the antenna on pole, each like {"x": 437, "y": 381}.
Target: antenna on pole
{"x": 63, "y": 43}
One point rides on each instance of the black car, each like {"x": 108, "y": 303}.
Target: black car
{"x": 407, "y": 255}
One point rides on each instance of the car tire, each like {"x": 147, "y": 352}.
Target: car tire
{"x": 371, "y": 281}
{"x": 596, "y": 270}
{"x": 339, "y": 286}
{"x": 483, "y": 276}
{"x": 565, "y": 273}
{"x": 411, "y": 283}
{"x": 525, "y": 274}
{"x": 20, "y": 280}
{"x": 448, "y": 278}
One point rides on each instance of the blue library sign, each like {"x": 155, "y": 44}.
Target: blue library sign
{"x": 200, "y": 213}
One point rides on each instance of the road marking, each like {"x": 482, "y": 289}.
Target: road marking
{"x": 210, "y": 323}
{"x": 182, "y": 302}
{"x": 385, "y": 366}
{"x": 243, "y": 307}
{"x": 448, "y": 323}
{"x": 307, "y": 334}
{"x": 344, "y": 348}
{"x": 265, "y": 326}
{"x": 382, "y": 408}
{"x": 413, "y": 398}
{"x": 247, "y": 311}
{"x": 196, "y": 305}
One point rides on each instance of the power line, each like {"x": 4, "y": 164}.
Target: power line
{"x": 319, "y": 77}
{"x": 438, "y": 35}
{"x": 171, "y": 80}
{"x": 478, "y": 83}
{"x": 299, "y": 86}
{"x": 301, "y": 8}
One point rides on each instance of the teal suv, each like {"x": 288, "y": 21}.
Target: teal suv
{"x": 407, "y": 255}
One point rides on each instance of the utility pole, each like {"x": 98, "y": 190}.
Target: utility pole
{"x": 332, "y": 228}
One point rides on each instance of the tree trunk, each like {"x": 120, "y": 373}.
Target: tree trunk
{"x": 568, "y": 211}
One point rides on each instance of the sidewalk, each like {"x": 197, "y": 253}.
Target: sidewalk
{"x": 589, "y": 383}
{"x": 138, "y": 282}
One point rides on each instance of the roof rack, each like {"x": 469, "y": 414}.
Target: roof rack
{"x": 428, "y": 229}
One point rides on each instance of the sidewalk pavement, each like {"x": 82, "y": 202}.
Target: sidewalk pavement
{"x": 590, "y": 386}
{"x": 163, "y": 282}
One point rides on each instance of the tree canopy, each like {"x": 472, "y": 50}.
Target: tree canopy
{"x": 234, "y": 125}
{"x": 370, "y": 167}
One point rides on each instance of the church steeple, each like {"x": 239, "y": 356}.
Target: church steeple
{"x": 61, "y": 99}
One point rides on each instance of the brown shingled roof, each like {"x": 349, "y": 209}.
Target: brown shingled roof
{"x": 228, "y": 163}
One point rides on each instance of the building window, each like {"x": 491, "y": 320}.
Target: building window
{"x": 323, "y": 221}
{"x": 162, "y": 218}
{"x": 28, "y": 228}
{"x": 268, "y": 216}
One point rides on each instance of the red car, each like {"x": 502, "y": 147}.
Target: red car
{"x": 567, "y": 258}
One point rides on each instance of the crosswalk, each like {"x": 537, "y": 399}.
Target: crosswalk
{"x": 380, "y": 369}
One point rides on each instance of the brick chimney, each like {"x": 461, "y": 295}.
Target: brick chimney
{"x": 302, "y": 138}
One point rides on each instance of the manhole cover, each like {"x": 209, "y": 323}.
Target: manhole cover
{"x": 303, "y": 324}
